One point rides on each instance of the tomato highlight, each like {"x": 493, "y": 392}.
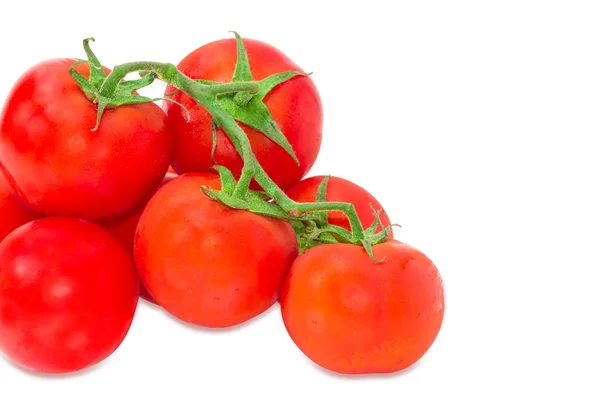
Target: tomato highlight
{"x": 68, "y": 293}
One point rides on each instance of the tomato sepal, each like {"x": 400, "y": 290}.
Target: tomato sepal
{"x": 313, "y": 235}
{"x": 106, "y": 96}
{"x": 248, "y": 107}
{"x": 237, "y": 195}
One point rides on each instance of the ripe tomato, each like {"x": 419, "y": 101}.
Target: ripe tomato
{"x": 13, "y": 212}
{"x": 354, "y": 316}
{"x": 206, "y": 263}
{"x": 122, "y": 227}
{"x": 68, "y": 293}
{"x": 339, "y": 189}
{"x": 295, "y": 106}
{"x": 59, "y": 166}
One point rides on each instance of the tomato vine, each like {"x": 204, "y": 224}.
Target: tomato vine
{"x": 241, "y": 100}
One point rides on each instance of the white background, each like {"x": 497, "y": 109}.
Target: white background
{"x": 475, "y": 123}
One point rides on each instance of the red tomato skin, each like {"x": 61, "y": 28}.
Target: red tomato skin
{"x": 13, "y": 212}
{"x": 122, "y": 227}
{"x": 208, "y": 264}
{"x": 339, "y": 189}
{"x": 59, "y": 166}
{"x": 353, "y": 316}
{"x": 295, "y": 106}
{"x": 68, "y": 293}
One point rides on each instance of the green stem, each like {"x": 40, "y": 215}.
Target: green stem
{"x": 250, "y": 88}
{"x": 243, "y": 184}
{"x": 205, "y": 95}
{"x": 168, "y": 73}
{"x": 241, "y": 142}
{"x": 346, "y": 208}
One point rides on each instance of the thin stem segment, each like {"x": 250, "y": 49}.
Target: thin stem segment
{"x": 243, "y": 184}
{"x": 168, "y": 73}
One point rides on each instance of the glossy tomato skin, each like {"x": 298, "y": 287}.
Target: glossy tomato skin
{"x": 68, "y": 293}
{"x": 339, "y": 189}
{"x": 60, "y": 166}
{"x": 206, "y": 263}
{"x": 353, "y": 316}
{"x": 122, "y": 227}
{"x": 295, "y": 106}
{"x": 13, "y": 212}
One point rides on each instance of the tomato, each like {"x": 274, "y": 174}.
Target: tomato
{"x": 68, "y": 293}
{"x": 339, "y": 189}
{"x": 295, "y": 106}
{"x": 13, "y": 212}
{"x": 122, "y": 227}
{"x": 206, "y": 263}
{"x": 59, "y": 166}
{"x": 354, "y": 316}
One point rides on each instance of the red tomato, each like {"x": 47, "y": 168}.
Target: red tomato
{"x": 68, "y": 294}
{"x": 123, "y": 227}
{"x": 13, "y": 212}
{"x": 339, "y": 189}
{"x": 295, "y": 106}
{"x": 59, "y": 166}
{"x": 206, "y": 263}
{"x": 353, "y": 316}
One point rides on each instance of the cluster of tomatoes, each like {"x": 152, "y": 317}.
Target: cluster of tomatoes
{"x": 91, "y": 219}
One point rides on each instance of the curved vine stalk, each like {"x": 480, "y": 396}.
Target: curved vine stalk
{"x": 206, "y": 96}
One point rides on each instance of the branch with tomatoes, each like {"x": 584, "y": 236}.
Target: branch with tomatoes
{"x": 215, "y": 246}
{"x": 223, "y": 101}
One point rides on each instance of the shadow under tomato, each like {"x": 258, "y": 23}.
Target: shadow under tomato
{"x": 68, "y": 375}
{"x": 358, "y": 377}
{"x": 148, "y": 303}
{"x": 218, "y": 331}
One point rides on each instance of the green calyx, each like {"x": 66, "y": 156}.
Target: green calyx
{"x": 317, "y": 232}
{"x": 238, "y": 195}
{"x": 312, "y": 228}
{"x": 248, "y": 107}
{"x": 108, "y": 96}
